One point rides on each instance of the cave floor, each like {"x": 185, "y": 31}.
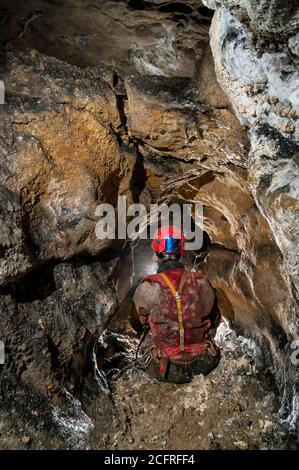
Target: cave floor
{"x": 232, "y": 408}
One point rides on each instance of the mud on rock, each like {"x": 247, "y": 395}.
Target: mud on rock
{"x": 234, "y": 407}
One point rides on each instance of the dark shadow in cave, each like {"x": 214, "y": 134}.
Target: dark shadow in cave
{"x": 206, "y": 12}
{"x": 139, "y": 5}
{"x": 36, "y": 285}
{"x": 176, "y": 7}
{"x": 138, "y": 180}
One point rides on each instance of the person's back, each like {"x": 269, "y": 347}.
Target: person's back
{"x": 180, "y": 310}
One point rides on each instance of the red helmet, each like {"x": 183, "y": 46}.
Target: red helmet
{"x": 168, "y": 240}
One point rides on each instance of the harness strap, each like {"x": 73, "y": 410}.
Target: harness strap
{"x": 145, "y": 332}
{"x": 164, "y": 363}
{"x": 197, "y": 348}
{"x": 177, "y": 295}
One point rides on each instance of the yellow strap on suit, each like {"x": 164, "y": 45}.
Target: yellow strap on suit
{"x": 177, "y": 297}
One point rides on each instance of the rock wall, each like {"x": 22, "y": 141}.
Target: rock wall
{"x": 255, "y": 50}
{"x": 144, "y": 36}
{"x": 50, "y": 322}
{"x": 60, "y": 157}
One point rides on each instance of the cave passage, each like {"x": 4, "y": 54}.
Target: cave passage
{"x": 160, "y": 102}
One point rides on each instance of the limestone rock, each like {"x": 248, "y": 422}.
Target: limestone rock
{"x": 60, "y": 157}
{"x": 268, "y": 18}
{"x": 277, "y": 151}
{"x": 274, "y": 173}
{"x": 149, "y": 37}
{"x": 273, "y": 72}
{"x": 293, "y": 44}
{"x": 260, "y": 76}
{"x": 167, "y": 118}
{"x": 50, "y": 322}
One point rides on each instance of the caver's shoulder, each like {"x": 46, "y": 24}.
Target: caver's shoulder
{"x": 198, "y": 275}
{"x": 200, "y": 278}
{"x": 148, "y": 283}
{"x": 151, "y": 278}
{"x": 146, "y": 291}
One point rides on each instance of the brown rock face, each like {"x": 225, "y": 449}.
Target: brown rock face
{"x": 60, "y": 158}
{"x": 49, "y": 349}
{"x": 149, "y": 37}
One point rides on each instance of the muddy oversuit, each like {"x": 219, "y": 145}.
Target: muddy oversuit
{"x": 156, "y": 309}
